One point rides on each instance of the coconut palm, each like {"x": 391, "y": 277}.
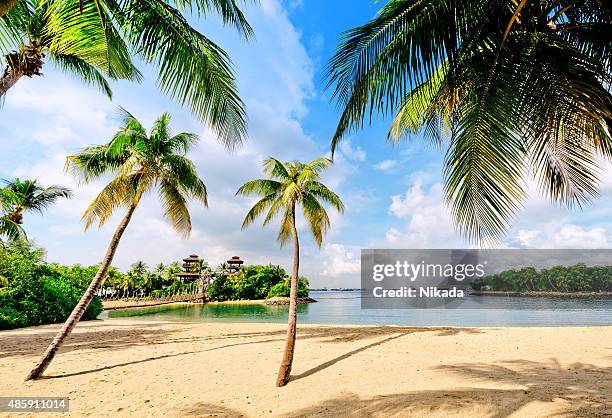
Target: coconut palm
{"x": 19, "y": 196}
{"x": 8, "y": 228}
{"x": 141, "y": 163}
{"x": 70, "y": 36}
{"x": 511, "y": 88}
{"x": 291, "y": 184}
{"x": 6, "y": 5}
{"x": 96, "y": 39}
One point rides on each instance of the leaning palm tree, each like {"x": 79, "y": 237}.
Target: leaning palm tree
{"x": 141, "y": 162}
{"x": 291, "y": 184}
{"x": 29, "y": 195}
{"x": 97, "y": 39}
{"x": 512, "y": 88}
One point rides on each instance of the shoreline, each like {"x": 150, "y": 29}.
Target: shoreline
{"x": 155, "y": 368}
{"x": 544, "y": 294}
{"x": 112, "y": 305}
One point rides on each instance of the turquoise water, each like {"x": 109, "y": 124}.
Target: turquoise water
{"x": 345, "y": 308}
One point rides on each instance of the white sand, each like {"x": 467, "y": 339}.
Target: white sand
{"x": 135, "y": 368}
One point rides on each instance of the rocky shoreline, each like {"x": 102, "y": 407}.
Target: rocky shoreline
{"x": 276, "y": 301}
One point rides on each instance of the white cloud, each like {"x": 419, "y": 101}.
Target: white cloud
{"x": 340, "y": 260}
{"x": 352, "y": 154}
{"x": 387, "y": 166}
{"x": 428, "y": 219}
{"x": 563, "y": 235}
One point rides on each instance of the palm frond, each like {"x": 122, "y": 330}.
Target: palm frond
{"x": 175, "y": 207}
{"x": 228, "y": 10}
{"x": 317, "y": 217}
{"x": 82, "y": 70}
{"x": 319, "y": 190}
{"x": 275, "y": 169}
{"x": 10, "y": 229}
{"x": 115, "y": 194}
{"x": 192, "y": 69}
{"x": 258, "y": 209}
{"x": 84, "y": 30}
{"x": 261, "y": 187}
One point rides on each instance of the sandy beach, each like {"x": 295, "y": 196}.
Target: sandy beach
{"x": 144, "y": 368}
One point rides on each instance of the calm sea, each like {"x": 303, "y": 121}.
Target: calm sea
{"x": 345, "y": 308}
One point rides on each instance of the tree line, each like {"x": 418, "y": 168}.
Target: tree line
{"x": 576, "y": 278}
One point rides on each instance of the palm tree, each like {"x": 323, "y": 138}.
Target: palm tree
{"x": 511, "y": 88}
{"x": 96, "y": 39}
{"x": 290, "y": 184}
{"x": 6, "y": 5}
{"x": 71, "y": 36}
{"x": 29, "y": 195}
{"x": 8, "y": 228}
{"x": 141, "y": 163}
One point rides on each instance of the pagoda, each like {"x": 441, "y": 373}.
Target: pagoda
{"x": 192, "y": 266}
{"x": 234, "y": 265}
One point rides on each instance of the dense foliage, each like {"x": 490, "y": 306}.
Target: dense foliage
{"x": 33, "y": 292}
{"x": 252, "y": 283}
{"x": 282, "y": 289}
{"x": 576, "y": 278}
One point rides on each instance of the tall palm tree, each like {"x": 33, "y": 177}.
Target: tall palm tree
{"x": 511, "y": 88}
{"x": 141, "y": 162}
{"x": 96, "y": 39}
{"x": 29, "y": 195}
{"x": 289, "y": 185}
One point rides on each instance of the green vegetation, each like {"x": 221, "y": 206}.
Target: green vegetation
{"x": 511, "y": 89}
{"x": 33, "y": 292}
{"x": 576, "y": 278}
{"x": 290, "y": 184}
{"x": 253, "y": 283}
{"x": 20, "y": 196}
{"x": 283, "y": 289}
{"x": 96, "y": 40}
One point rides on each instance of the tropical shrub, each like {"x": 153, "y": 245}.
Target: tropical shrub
{"x": 252, "y": 283}
{"x": 37, "y": 293}
{"x": 283, "y": 289}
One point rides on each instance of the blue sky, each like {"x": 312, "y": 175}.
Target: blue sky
{"x": 393, "y": 194}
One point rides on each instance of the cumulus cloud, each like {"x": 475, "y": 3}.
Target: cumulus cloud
{"x": 340, "y": 260}
{"x": 387, "y": 166}
{"x": 352, "y": 153}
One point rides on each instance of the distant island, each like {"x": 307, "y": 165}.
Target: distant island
{"x": 576, "y": 281}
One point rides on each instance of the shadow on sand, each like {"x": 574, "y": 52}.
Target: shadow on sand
{"x": 585, "y": 390}
{"x": 121, "y": 336}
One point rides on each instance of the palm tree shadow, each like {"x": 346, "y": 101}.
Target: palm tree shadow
{"x": 344, "y": 357}
{"x": 583, "y": 389}
{"x": 146, "y": 360}
{"x": 202, "y": 409}
{"x": 375, "y": 331}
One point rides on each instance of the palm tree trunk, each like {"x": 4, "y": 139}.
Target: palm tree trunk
{"x": 10, "y": 77}
{"x": 285, "y": 368}
{"x": 6, "y": 5}
{"x": 80, "y": 308}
